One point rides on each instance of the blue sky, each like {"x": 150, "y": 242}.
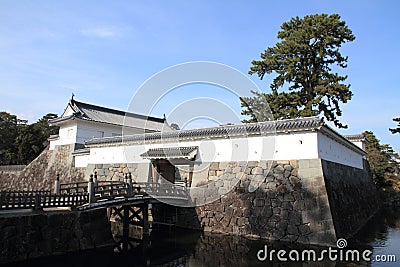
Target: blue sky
{"x": 103, "y": 51}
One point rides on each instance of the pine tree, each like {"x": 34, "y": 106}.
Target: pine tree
{"x": 396, "y": 130}
{"x": 303, "y": 62}
{"x": 380, "y": 157}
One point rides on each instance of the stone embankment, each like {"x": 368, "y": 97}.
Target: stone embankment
{"x": 27, "y": 236}
{"x": 40, "y": 174}
{"x": 305, "y": 201}
{"x": 392, "y": 200}
{"x": 284, "y": 207}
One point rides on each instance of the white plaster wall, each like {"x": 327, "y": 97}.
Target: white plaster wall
{"x": 67, "y": 135}
{"x": 331, "y": 150}
{"x": 68, "y": 111}
{"x": 78, "y": 131}
{"x": 88, "y": 130}
{"x": 296, "y": 146}
{"x": 81, "y": 160}
{"x": 282, "y": 147}
{"x": 360, "y": 144}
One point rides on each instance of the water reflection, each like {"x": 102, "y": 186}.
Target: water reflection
{"x": 382, "y": 234}
{"x": 188, "y": 248}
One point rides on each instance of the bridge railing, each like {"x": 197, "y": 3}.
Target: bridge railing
{"x": 110, "y": 189}
{"x": 165, "y": 189}
{"x": 74, "y": 187}
{"x": 123, "y": 189}
{"x": 79, "y": 193}
{"x": 39, "y": 199}
{"x": 82, "y": 186}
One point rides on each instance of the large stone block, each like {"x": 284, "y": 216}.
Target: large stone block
{"x": 220, "y": 173}
{"x": 252, "y": 164}
{"x": 279, "y": 169}
{"x": 263, "y": 164}
{"x": 304, "y": 164}
{"x": 315, "y": 163}
{"x": 236, "y": 170}
{"x": 214, "y": 166}
{"x": 259, "y": 202}
{"x": 257, "y": 170}
{"x": 223, "y": 165}
{"x": 282, "y": 162}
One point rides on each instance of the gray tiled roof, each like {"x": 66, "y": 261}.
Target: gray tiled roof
{"x": 230, "y": 131}
{"x": 227, "y": 131}
{"x": 355, "y": 137}
{"x": 85, "y": 150}
{"x": 53, "y": 137}
{"x": 171, "y": 153}
{"x": 95, "y": 113}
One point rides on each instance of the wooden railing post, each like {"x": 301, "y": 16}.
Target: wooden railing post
{"x": 2, "y": 199}
{"x": 91, "y": 190}
{"x": 37, "y": 201}
{"x": 145, "y": 214}
{"x": 57, "y": 185}
{"x": 95, "y": 179}
{"x": 129, "y": 183}
{"x": 125, "y": 229}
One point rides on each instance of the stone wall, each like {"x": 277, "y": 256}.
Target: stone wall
{"x": 42, "y": 171}
{"x": 284, "y": 207}
{"x": 297, "y": 201}
{"x": 7, "y": 179}
{"x": 42, "y": 234}
{"x": 8, "y": 172}
{"x": 306, "y": 201}
{"x": 115, "y": 172}
{"x": 352, "y": 196}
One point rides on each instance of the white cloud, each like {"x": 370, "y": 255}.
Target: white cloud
{"x": 68, "y": 87}
{"x": 102, "y": 32}
{"x": 29, "y": 116}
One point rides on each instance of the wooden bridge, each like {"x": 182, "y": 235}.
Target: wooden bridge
{"x": 92, "y": 194}
{"x": 126, "y": 200}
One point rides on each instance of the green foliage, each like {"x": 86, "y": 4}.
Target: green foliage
{"x": 8, "y": 134}
{"x": 281, "y": 106}
{"x": 396, "y": 130}
{"x": 303, "y": 61}
{"x": 29, "y": 143}
{"x": 381, "y": 159}
{"x": 20, "y": 143}
{"x": 175, "y": 126}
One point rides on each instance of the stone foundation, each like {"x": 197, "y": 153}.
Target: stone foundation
{"x": 117, "y": 172}
{"x": 51, "y": 233}
{"x": 41, "y": 172}
{"x": 353, "y": 197}
{"x": 284, "y": 207}
{"x": 306, "y": 201}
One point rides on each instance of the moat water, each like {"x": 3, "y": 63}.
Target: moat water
{"x": 188, "y": 248}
